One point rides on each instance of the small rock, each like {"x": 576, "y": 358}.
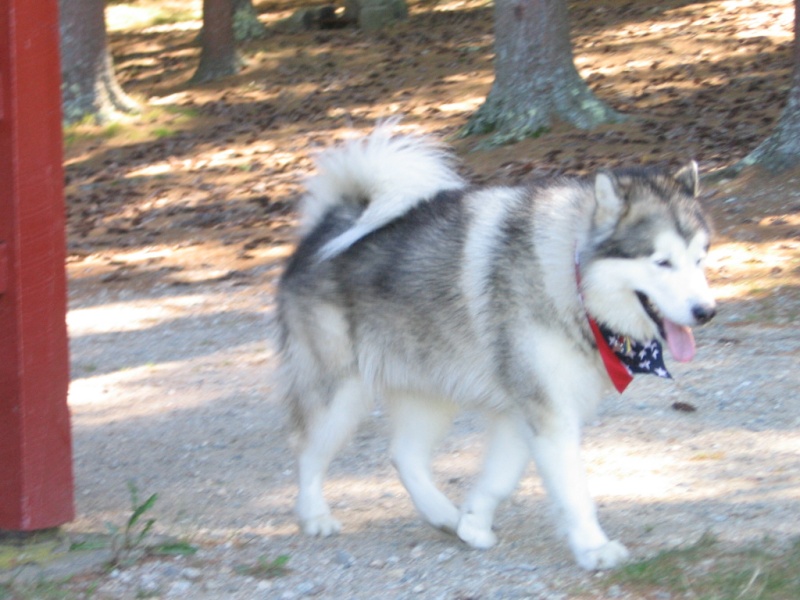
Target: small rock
{"x": 344, "y": 558}
{"x": 148, "y": 585}
{"x": 446, "y": 555}
{"x": 179, "y": 588}
{"x": 170, "y": 571}
{"x": 719, "y": 518}
{"x": 309, "y": 588}
{"x": 191, "y": 573}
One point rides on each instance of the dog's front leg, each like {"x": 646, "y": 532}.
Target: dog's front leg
{"x": 556, "y": 450}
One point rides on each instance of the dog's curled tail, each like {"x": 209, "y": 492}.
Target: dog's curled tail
{"x": 382, "y": 175}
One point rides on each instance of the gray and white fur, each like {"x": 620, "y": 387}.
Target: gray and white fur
{"x": 410, "y": 286}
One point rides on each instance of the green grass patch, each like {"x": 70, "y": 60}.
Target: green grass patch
{"x": 163, "y": 132}
{"x": 42, "y": 590}
{"x": 265, "y": 568}
{"x": 706, "y": 571}
{"x": 90, "y": 130}
{"x": 154, "y": 123}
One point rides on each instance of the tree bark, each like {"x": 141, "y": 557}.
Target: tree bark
{"x": 536, "y": 82}
{"x": 218, "y": 55}
{"x": 89, "y": 86}
{"x": 781, "y": 150}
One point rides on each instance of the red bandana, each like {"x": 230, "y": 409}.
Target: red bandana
{"x": 619, "y": 374}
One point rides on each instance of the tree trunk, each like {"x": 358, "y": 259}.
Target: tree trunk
{"x": 88, "y": 84}
{"x": 781, "y": 150}
{"x": 218, "y": 56}
{"x": 536, "y": 82}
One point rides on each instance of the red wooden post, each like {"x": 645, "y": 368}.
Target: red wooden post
{"x": 36, "y": 486}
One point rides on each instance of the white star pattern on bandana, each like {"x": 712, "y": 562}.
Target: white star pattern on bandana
{"x": 637, "y": 357}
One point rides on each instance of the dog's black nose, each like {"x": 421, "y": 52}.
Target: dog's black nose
{"x": 703, "y": 314}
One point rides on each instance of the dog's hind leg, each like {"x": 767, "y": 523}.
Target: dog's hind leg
{"x": 556, "y": 450}
{"x": 325, "y": 433}
{"x": 420, "y": 422}
{"x": 506, "y": 458}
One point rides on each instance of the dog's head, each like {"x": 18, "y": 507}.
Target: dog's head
{"x": 643, "y": 270}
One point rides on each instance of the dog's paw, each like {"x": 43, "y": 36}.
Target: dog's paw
{"x": 322, "y": 526}
{"x": 474, "y": 533}
{"x": 609, "y": 555}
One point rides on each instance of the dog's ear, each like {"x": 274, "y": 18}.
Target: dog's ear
{"x": 610, "y": 202}
{"x": 688, "y": 178}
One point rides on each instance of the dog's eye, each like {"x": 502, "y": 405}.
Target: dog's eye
{"x": 665, "y": 263}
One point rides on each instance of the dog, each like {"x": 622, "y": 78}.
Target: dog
{"x": 524, "y": 303}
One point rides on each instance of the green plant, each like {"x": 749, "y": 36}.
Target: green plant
{"x": 266, "y": 569}
{"x": 706, "y": 571}
{"x": 174, "y": 549}
{"x": 128, "y": 543}
{"x": 163, "y": 132}
{"x": 125, "y": 541}
{"x": 113, "y": 130}
{"x": 40, "y": 590}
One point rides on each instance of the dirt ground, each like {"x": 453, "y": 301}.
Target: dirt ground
{"x": 179, "y": 222}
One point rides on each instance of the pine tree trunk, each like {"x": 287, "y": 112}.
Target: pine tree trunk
{"x": 89, "y": 86}
{"x": 218, "y": 55}
{"x": 781, "y": 150}
{"x": 536, "y": 82}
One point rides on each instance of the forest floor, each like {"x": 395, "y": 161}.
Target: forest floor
{"x": 180, "y": 218}
{"x": 213, "y": 171}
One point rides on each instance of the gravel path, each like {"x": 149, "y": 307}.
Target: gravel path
{"x": 171, "y": 389}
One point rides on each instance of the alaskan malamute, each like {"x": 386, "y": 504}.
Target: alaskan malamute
{"x": 526, "y": 303}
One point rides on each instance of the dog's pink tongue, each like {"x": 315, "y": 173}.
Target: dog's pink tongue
{"x": 680, "y": 341}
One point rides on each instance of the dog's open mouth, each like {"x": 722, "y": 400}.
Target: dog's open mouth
{"x": 679, "y": 338}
